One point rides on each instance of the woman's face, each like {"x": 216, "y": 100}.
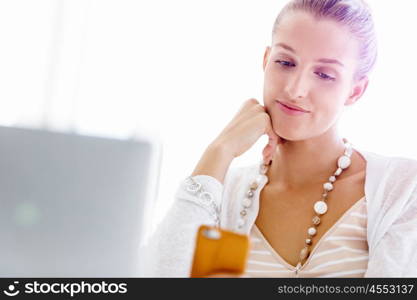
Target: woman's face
{"x": 310, "y": 64}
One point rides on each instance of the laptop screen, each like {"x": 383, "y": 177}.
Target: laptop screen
{"x": 73, "y": 205}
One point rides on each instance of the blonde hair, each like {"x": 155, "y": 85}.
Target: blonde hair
{"x": 355, "y": 15}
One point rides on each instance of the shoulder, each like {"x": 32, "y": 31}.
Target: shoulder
{"x": 394, "y": 167}
{"x": 391, "y": 181}
{"x": 403, "y": 164}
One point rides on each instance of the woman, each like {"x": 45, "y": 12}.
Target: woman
{"x": 316, "y": 206}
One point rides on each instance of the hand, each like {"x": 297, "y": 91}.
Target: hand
{"x": 251, "y": 122}
{"x": 248, "y": 125}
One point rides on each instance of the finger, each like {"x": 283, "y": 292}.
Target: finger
{"x": 269, "y": 130}
{"x": 247, "y": 105}
{"x": 266, "y": 154}
{"x": 244, "y": 111}
{"x": 251, "y": 108}
{"x": 269, "y": 151}
{"x": 274, "y": 139}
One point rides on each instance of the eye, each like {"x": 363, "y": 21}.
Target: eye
{"x": 287, "y": 64}
{"x": 283, "y": 63}
{"x": 325, "y": 76}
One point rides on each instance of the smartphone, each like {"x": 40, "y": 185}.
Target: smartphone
{"x": 219, "y": 251}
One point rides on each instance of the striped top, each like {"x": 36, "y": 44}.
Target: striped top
{"x": 341, "y": 252}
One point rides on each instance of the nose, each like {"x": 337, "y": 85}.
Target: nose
{"x": 296, "y": 87}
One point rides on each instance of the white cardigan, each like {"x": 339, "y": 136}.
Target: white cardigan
{"x": 391, "y": 197}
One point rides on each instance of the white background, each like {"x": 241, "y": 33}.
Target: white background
{"x": 178, "y": 71}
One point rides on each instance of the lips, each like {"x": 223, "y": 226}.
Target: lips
{"x": 293, "y": 107}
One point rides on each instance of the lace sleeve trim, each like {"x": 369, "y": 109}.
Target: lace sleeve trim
{"x": 202, "y": 198}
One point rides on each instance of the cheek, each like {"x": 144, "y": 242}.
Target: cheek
{"x": 327, "y": 98}
{"x": 273, "y": 85}
{"x": 328, "y": 112}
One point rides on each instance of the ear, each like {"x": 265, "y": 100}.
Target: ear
{"x": 266, "y": 57}
{"x": 357, "y": 90}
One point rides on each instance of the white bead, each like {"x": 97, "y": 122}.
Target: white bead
{"x": 320, "y": 207}
{"x": 247, "y": 202}
{"x": 348, "y": 151}
{"x": 343, "y": 162}
{"x": 338, "y": 172}
{"x": 328, "y": 186}
{"x": 312, "y": 231}
{"x": 332, "y": 179}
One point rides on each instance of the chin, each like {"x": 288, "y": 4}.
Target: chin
{"x": 290, "y": 138}
{"x": 291, "y": 135}
{"x": 292, "y": 131}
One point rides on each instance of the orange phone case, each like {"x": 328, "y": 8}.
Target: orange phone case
{"x": 219, "y": 251}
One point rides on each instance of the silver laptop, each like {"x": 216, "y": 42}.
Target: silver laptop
{"x": 73, "y": 205}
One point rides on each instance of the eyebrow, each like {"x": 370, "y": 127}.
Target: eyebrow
{"x": 322, "y": 60}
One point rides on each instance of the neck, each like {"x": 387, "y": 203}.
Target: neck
{"x": 300, "y": 164}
